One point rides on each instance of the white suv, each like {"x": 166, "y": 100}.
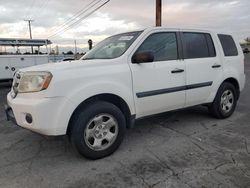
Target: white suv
{"x": 124, "y": 78}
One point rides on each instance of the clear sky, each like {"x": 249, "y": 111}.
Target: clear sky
{"x": 118, "y": 16}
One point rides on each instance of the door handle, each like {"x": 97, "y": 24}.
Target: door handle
{"x": 177, "y": 71}
{"x": 6, "y": 68}
{"x": 216, "y": 66}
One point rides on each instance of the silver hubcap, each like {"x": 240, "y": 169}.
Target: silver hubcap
{"x": 227, "y": 101}
{"x": 101, "y": 132}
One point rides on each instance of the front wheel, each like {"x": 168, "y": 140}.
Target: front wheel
{"x": 225, "y": 101}
{"x": 98, "y": 130}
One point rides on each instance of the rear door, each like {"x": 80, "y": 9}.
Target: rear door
{"x": 158, "y": 86}
{"x": 203, "y": 66}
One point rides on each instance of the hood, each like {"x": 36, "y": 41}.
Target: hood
{"x": 53, "y": 67}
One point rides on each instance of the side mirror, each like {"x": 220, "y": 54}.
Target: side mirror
{"x": 143, "y": 57}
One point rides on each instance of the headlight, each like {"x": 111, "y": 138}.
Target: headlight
{"x": 34, "y": 82}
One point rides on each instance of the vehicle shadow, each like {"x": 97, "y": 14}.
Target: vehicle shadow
{"x": 5, "y": 85}
{"x": 46, "y": 147}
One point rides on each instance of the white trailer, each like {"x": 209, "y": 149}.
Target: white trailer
{"x": 10, "y": 63}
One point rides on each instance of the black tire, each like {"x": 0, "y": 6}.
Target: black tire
{"x": 81, "y": 121}
{"x": 216, "y": 108}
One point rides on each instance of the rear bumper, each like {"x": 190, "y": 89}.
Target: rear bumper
{"x": 243, "y": 82}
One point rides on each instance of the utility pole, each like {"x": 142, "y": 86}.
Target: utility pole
{"x": 75, "y": 48}
{"x": 158, "y": 12}
{"x": 75, "y": 51}
{"x": 29, "y": 23}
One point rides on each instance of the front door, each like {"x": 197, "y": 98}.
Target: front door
{"x": 159, "y": 86}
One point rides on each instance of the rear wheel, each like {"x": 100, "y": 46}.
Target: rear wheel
{"x": 98, "y": 130}
{"x": 225, "y": 101}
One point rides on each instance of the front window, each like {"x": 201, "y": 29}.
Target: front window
{"x": 163, "y": 46}
{"x": 113, "y": 46}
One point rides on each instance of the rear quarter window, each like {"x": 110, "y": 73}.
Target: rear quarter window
{"x": 228, "y": 45}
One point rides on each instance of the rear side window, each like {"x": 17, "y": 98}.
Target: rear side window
{"x": 228, "y": 45}
{"x": 210, "y": 45}
{"x": 163, "y": 46}
{"x": 198, "y": 45}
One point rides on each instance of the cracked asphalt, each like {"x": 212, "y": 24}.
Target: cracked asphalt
{"x": 181, "y": 149}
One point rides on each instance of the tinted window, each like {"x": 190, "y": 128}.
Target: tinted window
{"x": 228, "y": 45}
{"x": 210, "y": 45}
{"x": 163, "y": 46}
{"x": 198, "y": 45}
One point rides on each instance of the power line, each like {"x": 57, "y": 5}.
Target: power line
{"x": 79, "y": 13}
{"x": 42, "y": 7}
{"x": 29, "y": 10}
{"x": 76, "y": 22}
{"x": 75, "y": 16}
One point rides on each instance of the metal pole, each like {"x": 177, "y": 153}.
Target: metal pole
{"x": 158, "y": 12}
{"x": 29, "y": 23}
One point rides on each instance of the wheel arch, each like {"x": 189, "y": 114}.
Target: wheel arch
{"x": 235, "y": 83}
{"x": 108, "y": 97}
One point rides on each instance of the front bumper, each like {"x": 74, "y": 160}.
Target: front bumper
{"x": 9, "y": 114}
{"x": 49, "y": 115}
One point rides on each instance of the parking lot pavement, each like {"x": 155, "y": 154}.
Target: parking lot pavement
{"x": 186, "y": 148}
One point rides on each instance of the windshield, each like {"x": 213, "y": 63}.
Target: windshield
{"x": 112, "y": 47}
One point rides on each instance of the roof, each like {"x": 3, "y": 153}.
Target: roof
{"x": 195, "y": 29}
{"x": 23, "y": 42}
